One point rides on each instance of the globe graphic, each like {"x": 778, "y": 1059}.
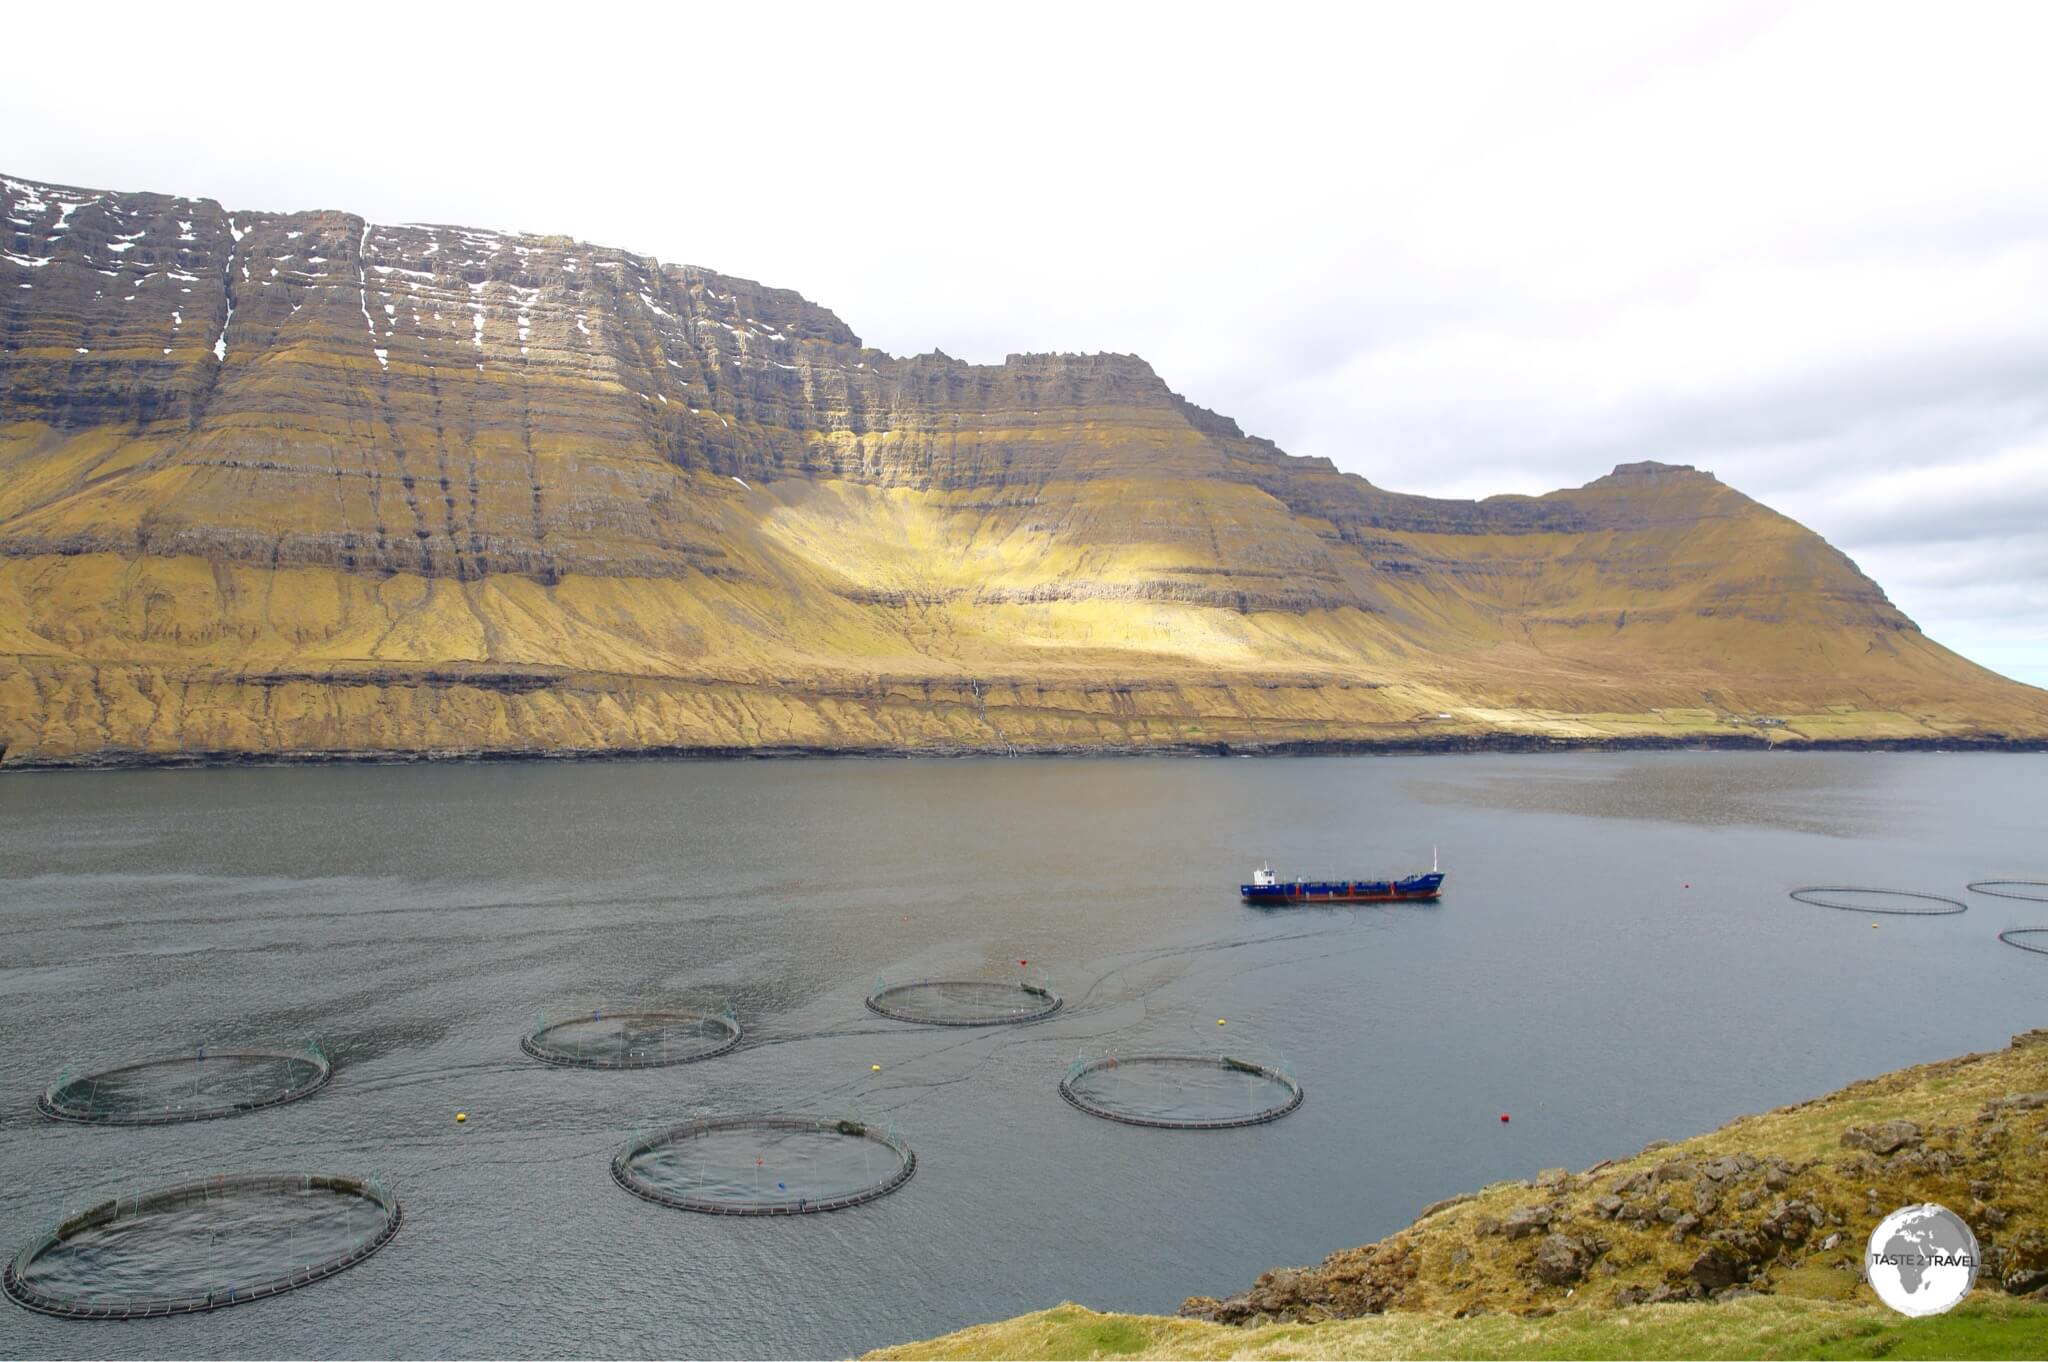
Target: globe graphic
{"x": 1921, "y": 1260}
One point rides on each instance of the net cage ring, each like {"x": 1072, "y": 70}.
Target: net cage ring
{"x": 17, "y": 1277}
{"x": 903, "y": 1159}
{"x": 1033, "y": 1000}
{"x": 1070, "y": 1089}
{"x": 538, "y": 1044}
{"x": 2003, "y": 889}
{"x": 76, "y": 1098}
{"x": 1944, "y": 907}
{"x": 2039, "y": 947}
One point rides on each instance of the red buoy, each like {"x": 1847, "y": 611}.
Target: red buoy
{"x": 1503, "y": 1118}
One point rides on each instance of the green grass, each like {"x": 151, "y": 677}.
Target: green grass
{"x": 1760, "y": 1327}
{"x": 1100, "y": 1336}
{"x": 1967, "y": 1331}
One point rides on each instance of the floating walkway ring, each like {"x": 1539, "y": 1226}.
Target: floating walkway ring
{"x": 16, "y": 1277}
{"x": 1070, "y": 1088}
{"x": 81, "y": 1099}
{"x": 1944, "y": 907}
{"x": 2004, "y": 889}
{"x": 550, "y": 1043}
{"x": 976, "y": 1002}
{"x": 719, "y": 1177}
{"x": 2041, "y": 948}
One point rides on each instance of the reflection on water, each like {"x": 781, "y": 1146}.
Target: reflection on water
{"x": 1802, "y": 792}
{"x": 1615, "y": 960}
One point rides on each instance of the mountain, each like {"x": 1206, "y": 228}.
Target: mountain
{"x": 298, "y": 484}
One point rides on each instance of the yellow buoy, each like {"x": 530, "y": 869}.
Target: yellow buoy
{"x": 461, "y": 1116}
{"x": 874, "y": 1068}
{"x": 1219, "y": 1021}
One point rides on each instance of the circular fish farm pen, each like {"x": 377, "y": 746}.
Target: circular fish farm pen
{"x": 764, "y": 1165}
{"x": 196, "y": 1087}
{"x": 1181, "y": 1092}
{"x": 965, "y": 1002}
{"x": 2039, "y": 945}
{"x": 631, "y": 1040}
{"x": 2012, "y": 889}
{"x": 203, "y": 1245}
{"x": 1895, "y": 902}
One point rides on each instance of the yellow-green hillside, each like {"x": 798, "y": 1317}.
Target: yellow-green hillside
{"x": 301, "y": 484}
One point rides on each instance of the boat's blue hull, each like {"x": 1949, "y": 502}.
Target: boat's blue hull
{"x": 1415, "y": 887}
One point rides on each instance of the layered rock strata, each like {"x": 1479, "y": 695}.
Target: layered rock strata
{"x": 301, "y": 484}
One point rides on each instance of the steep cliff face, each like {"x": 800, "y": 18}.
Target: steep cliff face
{"x": 302, "y": 483}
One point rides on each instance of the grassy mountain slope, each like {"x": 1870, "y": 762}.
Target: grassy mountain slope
{"x": 305, "y": 484}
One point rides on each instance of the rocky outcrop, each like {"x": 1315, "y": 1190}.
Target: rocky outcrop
{"x": 242, "y": 445}
{"x": 1883, "y": 1138}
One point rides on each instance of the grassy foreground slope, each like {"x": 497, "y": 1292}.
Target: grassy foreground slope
{"x": 1760, "y": 1327}
{"x": 1745, "y": 1242}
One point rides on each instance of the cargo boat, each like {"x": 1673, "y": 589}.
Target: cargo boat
{"x": 1268, "y": 888}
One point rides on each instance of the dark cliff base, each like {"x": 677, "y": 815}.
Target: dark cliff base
{"x": 1448, "y": 744}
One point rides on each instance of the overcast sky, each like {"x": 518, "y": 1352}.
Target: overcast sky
{"x": 1456, "y": 249}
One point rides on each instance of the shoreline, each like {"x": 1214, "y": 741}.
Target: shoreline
{"x": 1744, "y": 1241}
{"x": 1449, "y": 745}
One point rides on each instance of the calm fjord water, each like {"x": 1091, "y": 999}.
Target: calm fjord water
{"x": 418, "y": 919}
